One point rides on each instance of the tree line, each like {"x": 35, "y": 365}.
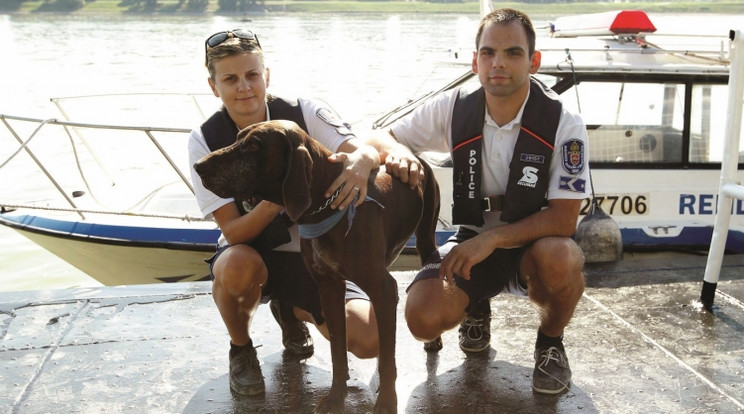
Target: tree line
{"x": 194, "y": 6}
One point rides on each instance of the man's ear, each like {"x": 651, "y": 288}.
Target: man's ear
{"x": 535, "y": 62}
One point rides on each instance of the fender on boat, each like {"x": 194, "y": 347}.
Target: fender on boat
{"x": 599, "y": 236}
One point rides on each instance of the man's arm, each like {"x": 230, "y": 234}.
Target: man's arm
{"x": 557, "y": 220}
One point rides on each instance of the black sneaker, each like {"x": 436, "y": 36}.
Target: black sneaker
{"x": 552, "y": 373}
{"x": 434, "y": 346}
{"x": 475, "y": 332}
{"x": 245, "y": 371}
{"x": 295, "y": 336}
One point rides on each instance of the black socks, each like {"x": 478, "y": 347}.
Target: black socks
{"x": 234, "y": 349}
{"x": 544, "y": 341}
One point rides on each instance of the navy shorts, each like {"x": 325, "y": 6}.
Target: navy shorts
{"x": 290, "y": 282}
{"x": 498, "y": 273}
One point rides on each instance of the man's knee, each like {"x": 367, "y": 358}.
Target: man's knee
{"x": 556, "y": 254}
{"x": 421, "y": 328}
{"x": 418, "y": 318}
{"x": 431, "y": 309}
{"x": 554, "y": 262}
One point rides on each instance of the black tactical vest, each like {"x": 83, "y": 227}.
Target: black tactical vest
{"x": 529, "y": 169}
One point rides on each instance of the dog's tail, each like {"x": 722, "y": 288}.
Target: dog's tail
{"x": 426, "y": 230}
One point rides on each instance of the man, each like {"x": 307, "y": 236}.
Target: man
{"x": 520, "y": 170}
{"x": 258, "y": 257}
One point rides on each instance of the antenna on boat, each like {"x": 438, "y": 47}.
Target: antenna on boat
{"x": 486, "y": 7}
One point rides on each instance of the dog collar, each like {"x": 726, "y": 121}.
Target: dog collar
{"x": 328, "y": 201}
{"x": 315, "y": 230}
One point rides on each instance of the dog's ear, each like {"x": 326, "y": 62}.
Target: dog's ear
{"x": 297, "y": 179}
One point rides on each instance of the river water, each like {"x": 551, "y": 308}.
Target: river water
{"x": 362, "y": 64}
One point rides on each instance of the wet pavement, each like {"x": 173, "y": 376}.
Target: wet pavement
{"x": 637, "y": 344}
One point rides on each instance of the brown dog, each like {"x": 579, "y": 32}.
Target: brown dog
{"x": 279, "y": 162}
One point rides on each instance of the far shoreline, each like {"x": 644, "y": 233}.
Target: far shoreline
{"x": 175, "y": 7}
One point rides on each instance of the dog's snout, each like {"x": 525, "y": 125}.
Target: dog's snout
{"x": 201, "y": 166}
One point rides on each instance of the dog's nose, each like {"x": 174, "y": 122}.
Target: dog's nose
{"x": 199, "y": 166}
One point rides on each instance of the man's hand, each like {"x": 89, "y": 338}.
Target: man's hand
{"x": 404, "y": 165}
{"x": 463, "y": 257}
{"x": 399, "y": 160}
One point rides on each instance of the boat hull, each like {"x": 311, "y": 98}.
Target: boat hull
{"x": 134, "y": 254}
{"x": 118, "y": 254}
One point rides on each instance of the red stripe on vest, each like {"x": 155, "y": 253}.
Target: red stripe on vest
{"x": 537, "y": 137}
{"x": 468, "y": 142}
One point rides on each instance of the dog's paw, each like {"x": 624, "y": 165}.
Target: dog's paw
{"x": 385, "y": 405}
{"x": 333, "y": 403}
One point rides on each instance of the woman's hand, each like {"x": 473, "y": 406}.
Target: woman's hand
{"x": 358, "y": 165}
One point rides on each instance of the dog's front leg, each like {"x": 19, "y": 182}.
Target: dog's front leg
{"x": 332, "y": 298}
{"x": 385, "y": 300}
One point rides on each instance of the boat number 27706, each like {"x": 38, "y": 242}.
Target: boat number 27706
{"x": 621, "y": 204}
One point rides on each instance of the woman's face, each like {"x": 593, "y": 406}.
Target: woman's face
{"x": 240, "y": 81}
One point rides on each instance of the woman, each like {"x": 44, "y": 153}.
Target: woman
{"x": 258, "y": 257}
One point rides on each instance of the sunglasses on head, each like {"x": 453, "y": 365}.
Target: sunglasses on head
{"x": 219, "y": 37}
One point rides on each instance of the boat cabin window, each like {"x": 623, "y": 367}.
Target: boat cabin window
{"x": 644, "y": 123}
{"x": 630, "y": 122}
{"x": 708, "y": 124}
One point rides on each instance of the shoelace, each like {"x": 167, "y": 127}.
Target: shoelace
{"x": 248, "y": 360}
{"x": 473, "y": 325}
{"x": 551, "y": 354}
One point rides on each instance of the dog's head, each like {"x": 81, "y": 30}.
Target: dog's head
{"x": 269, "y": 160}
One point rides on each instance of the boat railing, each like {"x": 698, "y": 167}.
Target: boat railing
{"x": 408, "y": 107}
{"x": 73, "y": 127}
{"x": 729, "y": 188}
{"x": 193, "y": 98}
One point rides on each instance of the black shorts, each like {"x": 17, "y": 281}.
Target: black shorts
{"x": 290, "y": 282}
{"x": 498, "y": 273}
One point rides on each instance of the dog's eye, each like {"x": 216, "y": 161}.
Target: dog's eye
{"x": 250, "y": 145}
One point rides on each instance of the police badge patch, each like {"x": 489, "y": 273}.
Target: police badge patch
{"x": 330, "y": 118}
{"x": 573, "y": 156}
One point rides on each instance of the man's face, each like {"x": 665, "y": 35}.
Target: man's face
{"x": 502, "y": 62}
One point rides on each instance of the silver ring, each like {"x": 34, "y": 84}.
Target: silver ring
{"x": 356, "y": 188}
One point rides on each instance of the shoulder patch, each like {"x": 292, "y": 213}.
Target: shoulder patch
{"x": 573, "y": 156}
{"x": 331, "y": 118}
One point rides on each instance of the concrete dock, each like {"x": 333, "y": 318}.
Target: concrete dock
{"x": 637, "y": 344}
